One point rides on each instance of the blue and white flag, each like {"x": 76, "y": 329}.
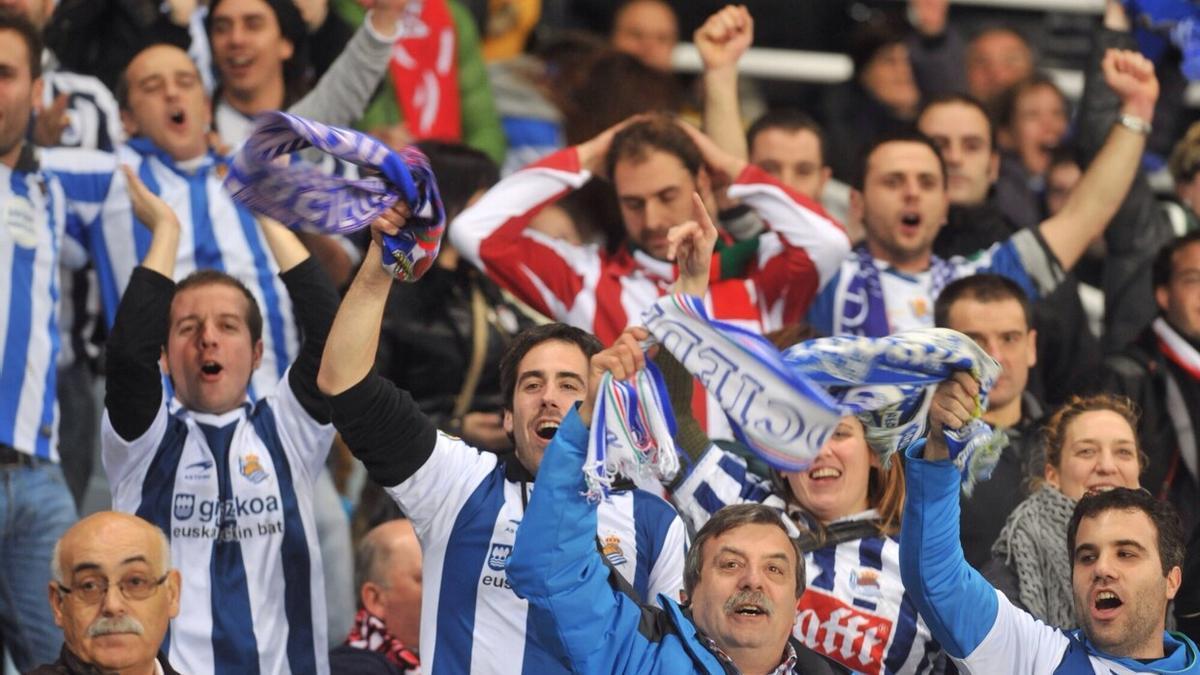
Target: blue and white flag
{"x": 632, "y": 434}
{"x": 784, "y": 405}
{"x": 297, "y": 192}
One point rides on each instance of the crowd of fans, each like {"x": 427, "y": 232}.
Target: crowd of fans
{"x": 311, "y": 468}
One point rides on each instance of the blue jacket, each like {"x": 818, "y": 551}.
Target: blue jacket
{"x": 595, "y": 626}
{"x": 976, "y": 624}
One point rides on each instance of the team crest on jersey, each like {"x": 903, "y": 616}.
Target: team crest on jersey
{"x": 498, "y": 556}
{"x": 864, "y": 582}
{"x": 185, "y": 505}
{"x": 252, "y": 469}
{"x": 612, "y": 550}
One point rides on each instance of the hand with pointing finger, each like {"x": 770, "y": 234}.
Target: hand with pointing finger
{"x": 690, "y": 245}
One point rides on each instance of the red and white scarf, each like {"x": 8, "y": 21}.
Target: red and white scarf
{"x": 369, "y": 633}
{"x": 424, "y": 70}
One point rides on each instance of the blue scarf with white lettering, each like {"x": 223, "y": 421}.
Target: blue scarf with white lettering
{"x": 784, "y": 405}
{"x": 297, "y": 193}
{"x": 862, "y": 308}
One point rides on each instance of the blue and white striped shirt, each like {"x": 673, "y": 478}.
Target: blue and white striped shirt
{"x": 216, "y": 233}
{"x": 32, "y": 219}
{"x": 466, "y": 512}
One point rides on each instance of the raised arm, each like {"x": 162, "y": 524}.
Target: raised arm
{"x": 721, "y": 41}
{"x": 972, "y": 621}
{"x": 1107, "y": 179}
{"x": 133, "y": 389}
{"x": 342, "y": 93}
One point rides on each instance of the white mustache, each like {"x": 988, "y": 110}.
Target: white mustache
{"x": 120, "y": 624}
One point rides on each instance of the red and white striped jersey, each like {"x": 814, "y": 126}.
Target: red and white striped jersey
{"x": 604, "y": 293}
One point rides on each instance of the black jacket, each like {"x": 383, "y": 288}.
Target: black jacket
{"x": 69, "y": 664}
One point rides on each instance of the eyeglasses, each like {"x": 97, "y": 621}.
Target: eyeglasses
{"x": 133, "y": 587}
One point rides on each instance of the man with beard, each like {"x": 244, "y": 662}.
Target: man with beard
{"x": 465, "y": 504}
{"x": 1126, "y": 550}
{"x": 113, "y": 594}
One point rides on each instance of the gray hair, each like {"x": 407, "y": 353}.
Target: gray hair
{"x": 731, "y": 517}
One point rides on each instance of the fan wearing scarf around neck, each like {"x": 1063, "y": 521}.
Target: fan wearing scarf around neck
{"x": 265, "y": 177}
{"x": 828, "y": 415}
{"x": 1091, "y": 446}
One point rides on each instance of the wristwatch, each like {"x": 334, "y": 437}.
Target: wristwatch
{"x": 1134, "y": 123}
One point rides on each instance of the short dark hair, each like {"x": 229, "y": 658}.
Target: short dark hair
{"x": 461, "y": 171}
{"x": 1171, "y": 544}
{"x": 656, "y": 132}
{"x": 980, "y": 288}
{"x": 901, "y": 136}
{"x": 954, "y": 98}
{"x": 532, "y": 337}
{"x": 1164, "y": 262}
{"x": 871, "y": 37}
{"x": 292, "y": 29}
{"x": 728, "y": 518}
{"x": 789, "y": 120}
{"x": 20, "y": 24}
{"x": 208, "y": 277}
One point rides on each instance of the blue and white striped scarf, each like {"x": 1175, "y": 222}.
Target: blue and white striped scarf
{"x": 784, "y": 405}
{"x": 632, "y": 434}
{"x": 298, "y": 193}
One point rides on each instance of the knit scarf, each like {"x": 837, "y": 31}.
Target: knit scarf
{"x": 370, "y": 634}
{"x": 632, "y": 434}
{"x": 863, "y": 309}
{"x": 784, "y": 406}
{"x": 1032, "y": 543}
{"x": 297, "y": 192}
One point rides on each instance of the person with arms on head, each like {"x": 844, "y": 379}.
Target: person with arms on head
{"x": 1125, "y": 548}
{"x": 387, "y": 629}
{"x": 743, "y": 574}
{"x": 466, "y": 504}
{"x": 994, "y": 312}
{"x": 33, "y": 244}
{"x": 231, "y": 478}
{"x": 114, "y": 593}
{"x": 890, "y": 283}
{"x": 1090, "y": 446}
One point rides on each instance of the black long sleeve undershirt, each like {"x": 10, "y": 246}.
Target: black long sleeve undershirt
{"x": 315, "y": 302}
{"x": 384, "y": 428}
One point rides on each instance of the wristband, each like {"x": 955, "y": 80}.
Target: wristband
{"x": 1134, "y": 123}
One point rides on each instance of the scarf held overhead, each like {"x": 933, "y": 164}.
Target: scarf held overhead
{"x": 298, "y": 193}
{"x": 632, "y": 434}
{"x": 785, "y": 405}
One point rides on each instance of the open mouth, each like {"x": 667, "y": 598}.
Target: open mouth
{"x": 750, "y": 610}
{"x": 211, "y": 368}
{"x": 177, "y": 117}
{"x": 1107, "y": 600}
{"x": 546, "y": 429}
{"x": 910, "y": 219}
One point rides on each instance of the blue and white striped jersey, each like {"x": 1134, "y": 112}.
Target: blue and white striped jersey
{"x": 216, "y": 233}
{"x": 466, "y": 512}
{"x": 909, "y": 297}
{"x": 93, "y": 120}
{"x": 855, "y": 609}
{"x": 233, "y": 492}
{"x": 32, "y": 219}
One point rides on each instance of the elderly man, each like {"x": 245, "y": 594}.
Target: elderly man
{"x": 387, "y": 574}
{"x": 113, "y": 594}
{"x": 742, "y": 576}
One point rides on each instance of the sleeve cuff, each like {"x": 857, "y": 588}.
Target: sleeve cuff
{"x": 375, "y": 34}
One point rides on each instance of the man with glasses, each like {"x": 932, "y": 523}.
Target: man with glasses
{"x": 113, "y": 594}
